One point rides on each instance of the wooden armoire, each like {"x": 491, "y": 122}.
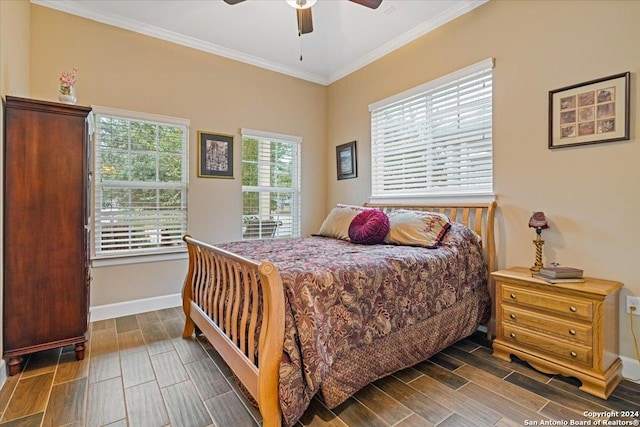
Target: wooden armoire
{"x": 46, "y": 256}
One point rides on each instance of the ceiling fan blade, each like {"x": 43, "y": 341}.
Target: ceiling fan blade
{"x": 373, "y": 4}
{"x": 305, "y": 23}
{"x": 232, "y": 2}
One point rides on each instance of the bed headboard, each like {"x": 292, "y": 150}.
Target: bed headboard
{"x": 477, "y": 216}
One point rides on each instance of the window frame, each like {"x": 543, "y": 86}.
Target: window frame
{"x": 426, "y": 90}
{"x": 177, "y": 251}
{"x": 295, "y": 190}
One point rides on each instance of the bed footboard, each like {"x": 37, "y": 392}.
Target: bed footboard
{"x": 238, "y": 304}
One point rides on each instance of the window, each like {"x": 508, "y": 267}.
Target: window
{"x": 140, "y": 192}
{"x": 270, "y": 185}
{"x": 435, "y": 139}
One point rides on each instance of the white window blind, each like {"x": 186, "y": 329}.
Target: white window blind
{"x": 270, "y": 185}
{"x": 435, "y": 139}
{"x": 141, "y": 177}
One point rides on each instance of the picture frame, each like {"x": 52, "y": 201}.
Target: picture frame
{"x": 590, "y": 113}
{"x": 346, "y": 160}
{"x": 215, "y": 155}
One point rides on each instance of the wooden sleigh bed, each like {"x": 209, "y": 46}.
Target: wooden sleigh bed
{"x": 243, "y": 307}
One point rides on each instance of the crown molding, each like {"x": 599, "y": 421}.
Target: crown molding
{"x": 325, "y": 80}
{"x": 419, "y": 31}
{"x": 177, "y": 38}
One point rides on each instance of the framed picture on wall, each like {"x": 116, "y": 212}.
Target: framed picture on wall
{"x": 215, "y": 155}
{"x": 590, "y": 113}
{"x": 346, "y": 160}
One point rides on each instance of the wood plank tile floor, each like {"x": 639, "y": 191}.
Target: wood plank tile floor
{"x": 139, "y": 372}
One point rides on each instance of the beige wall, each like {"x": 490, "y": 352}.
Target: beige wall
{"x": 14, "y": 47}
{"x": 590, "y": 194}
{"x": 123, "y": 69}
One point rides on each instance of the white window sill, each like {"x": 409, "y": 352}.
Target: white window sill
{"x": 435, "y": 199}
{"x": 139, "y": 259}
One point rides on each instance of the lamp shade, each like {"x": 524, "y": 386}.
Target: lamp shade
{"x": 538, "y": 220}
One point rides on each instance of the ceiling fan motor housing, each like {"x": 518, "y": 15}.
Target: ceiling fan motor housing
{"x": 301, "y": 4}
{"x": 303, "y": 10}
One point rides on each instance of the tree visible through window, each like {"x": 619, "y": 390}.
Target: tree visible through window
{"x": 140, "y": 184}
{"x": 270, "y": 185}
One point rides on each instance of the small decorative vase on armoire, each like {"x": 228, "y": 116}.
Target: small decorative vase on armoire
{"x": 46, "y": 256}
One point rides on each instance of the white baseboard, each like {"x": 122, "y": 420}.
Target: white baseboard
{"x": 126, "y": 308}
{"x": 630, "y": 369}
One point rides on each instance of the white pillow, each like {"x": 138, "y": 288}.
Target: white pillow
{"x": 417, "y": 228}
{"x": 336, "y": 224}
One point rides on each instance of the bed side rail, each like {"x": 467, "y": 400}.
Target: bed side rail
{"x": 229, "y": 298}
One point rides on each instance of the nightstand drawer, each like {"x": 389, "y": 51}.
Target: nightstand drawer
{"x": 573, "y": 352}
{"x": 574, "y": 307}
{"x": 581, "y": 333}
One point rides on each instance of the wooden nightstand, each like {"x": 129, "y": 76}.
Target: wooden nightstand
{"x": 569, "y": 329}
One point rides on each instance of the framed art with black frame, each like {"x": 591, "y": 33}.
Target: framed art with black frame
{"x": 215, "y": 155}
{"x": 346, "y": 160}
{"x": 590, "y": 113}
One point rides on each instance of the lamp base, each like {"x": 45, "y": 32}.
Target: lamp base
{"x": 538, "y": 264}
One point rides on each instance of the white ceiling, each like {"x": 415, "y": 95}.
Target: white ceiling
{"x": 346, "y": 36}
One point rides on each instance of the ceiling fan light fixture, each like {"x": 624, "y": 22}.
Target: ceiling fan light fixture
{"x": 301, "y": 4}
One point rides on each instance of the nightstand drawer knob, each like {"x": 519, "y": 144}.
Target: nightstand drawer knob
{"x": 513, "y": 296}
{"x": 573, "y": 309}
{"x": 573, "y": 354}
{"x": 513, "y": 316}
{"x": 572, "y": 332}
{"x": 512, "y": 335}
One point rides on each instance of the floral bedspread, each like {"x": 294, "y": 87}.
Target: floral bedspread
{"x": 341, "y": 296}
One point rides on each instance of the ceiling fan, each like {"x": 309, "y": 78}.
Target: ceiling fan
{"x": 303, "y": 11}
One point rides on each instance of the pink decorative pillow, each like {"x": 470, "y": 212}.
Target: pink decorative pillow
{"x": 369, "y": 227}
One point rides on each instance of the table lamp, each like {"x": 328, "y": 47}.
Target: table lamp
{"x": 539, "y": 222}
